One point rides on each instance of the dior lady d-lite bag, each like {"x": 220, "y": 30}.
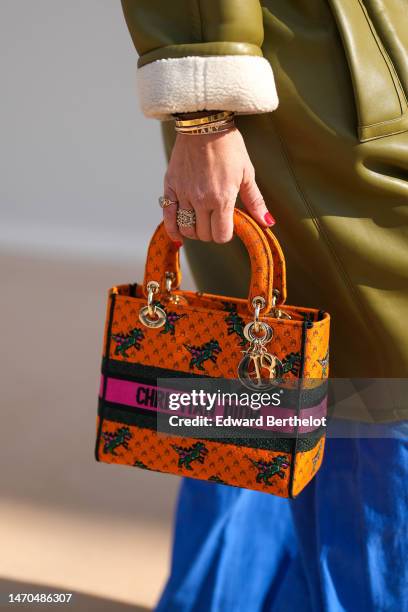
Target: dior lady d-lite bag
{"x": 155, "y": 331}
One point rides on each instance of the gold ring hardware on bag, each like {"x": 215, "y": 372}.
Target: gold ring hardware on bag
{"x": 258, "y": 368}
{"x": 169, "y": 276}
{"x": 152, "y": 315}
{"x": 258, "y": 304}
{"x": 277, "y": 312}
{"x": 173, "y": 298}
{"x": 251, "y": 333}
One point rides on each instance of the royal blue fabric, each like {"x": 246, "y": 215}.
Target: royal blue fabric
{"x": 341, "y": 545}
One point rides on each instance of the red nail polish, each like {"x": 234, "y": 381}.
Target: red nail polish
{"x": 178, "y": 244}
{"x": 269, "y": 219}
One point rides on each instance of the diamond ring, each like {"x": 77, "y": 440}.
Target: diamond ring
{"x": 186, "y": 217}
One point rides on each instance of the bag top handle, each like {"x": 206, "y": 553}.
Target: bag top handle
{"x": 279, "y": 266}
{"x": 267, "y": 261}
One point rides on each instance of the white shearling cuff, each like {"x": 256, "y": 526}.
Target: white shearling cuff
{"x": 240, "y": 83}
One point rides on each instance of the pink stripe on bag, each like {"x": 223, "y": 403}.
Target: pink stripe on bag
{"x": 155, "y": 399}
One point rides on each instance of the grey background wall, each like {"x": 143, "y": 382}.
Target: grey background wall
{"x": 80, "y": 173}
{"x": 80, "y": 167}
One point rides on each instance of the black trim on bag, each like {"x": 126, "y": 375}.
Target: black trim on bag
{"x": 149, "y": 375}
{"x": 147, "y": 419}
{"x": 107, "y": 352}
{"x": 137, "y": 371}
{"x": 306, "y": 325}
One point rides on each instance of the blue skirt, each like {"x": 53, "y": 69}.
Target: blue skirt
{"x": 342, "y": 544}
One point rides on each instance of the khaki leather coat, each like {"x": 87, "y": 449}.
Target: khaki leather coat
{"x": 331, "y": 161}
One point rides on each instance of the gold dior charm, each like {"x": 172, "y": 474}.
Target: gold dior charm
{"x": 258, "y": 368}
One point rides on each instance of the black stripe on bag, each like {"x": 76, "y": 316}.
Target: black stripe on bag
{"x": 146, "y": 419}
{"x": 149, "y": 375}
{"x": 305, "y": 327}
{"x": 107, "y": 352}
{"x": 137, "y": 371}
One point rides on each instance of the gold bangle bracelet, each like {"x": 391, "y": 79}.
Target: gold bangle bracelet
{"x": 206, "y": 129}
{"x": 204, "y": 120}
{"x": 225, "y": 115}
{"x": 214, "y": 124}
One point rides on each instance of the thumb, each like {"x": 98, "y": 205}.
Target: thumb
{"x": 253, "y": 200}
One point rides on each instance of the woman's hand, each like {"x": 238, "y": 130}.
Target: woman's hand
{"x": 206, "y": 172}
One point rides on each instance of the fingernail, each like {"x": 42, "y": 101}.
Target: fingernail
{"x": 269, "y": 219}
{"x": 178, "y": 244}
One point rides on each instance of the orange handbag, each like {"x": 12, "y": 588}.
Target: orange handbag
{"x": 155, "y": 331}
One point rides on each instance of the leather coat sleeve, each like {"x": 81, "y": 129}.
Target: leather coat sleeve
{"x": 200, "y": 55}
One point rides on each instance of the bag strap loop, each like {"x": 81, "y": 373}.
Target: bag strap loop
{"x": 266, "y": 257}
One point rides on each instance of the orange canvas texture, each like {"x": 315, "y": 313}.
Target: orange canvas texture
{"x": 261, "y": 470}
{"x": 203, "y": 336}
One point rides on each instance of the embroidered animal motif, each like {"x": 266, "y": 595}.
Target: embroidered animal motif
{"x": 188, "y": 454}
{"x": 267, "y": 469}
{"x": 171, "y": 319}
{"x": 324, "y": 363}
{"x": 114, "y": 439}
{"x": 234, "y": 322}
{"x": 316, "y": 457}
{"x": 291, "y": 363}
{"x": 202, "y": 353}
{"x": 124, "y": 342}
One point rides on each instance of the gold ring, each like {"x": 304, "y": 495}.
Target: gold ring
{"x": 165, "y": 202}
{"x": 186, "y": 217}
